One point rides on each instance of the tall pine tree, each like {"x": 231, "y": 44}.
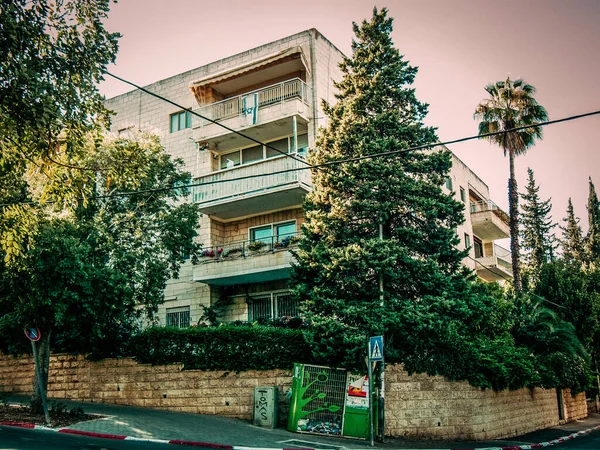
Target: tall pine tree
{"x": 536, "y": 231}
{"x": 379, "y": 254}
{"x": 592, "y": 240}
{"x": 572, "y": 237}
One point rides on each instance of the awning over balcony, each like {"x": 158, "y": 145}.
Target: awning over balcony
{"x": 251, "y": 73}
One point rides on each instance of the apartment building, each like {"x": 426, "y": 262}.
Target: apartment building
{"x": 262, "y": 111}
{"x": 267, "y": 95}
{"x": 484, "y": 224}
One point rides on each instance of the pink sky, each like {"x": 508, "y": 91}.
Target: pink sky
{"x": 458, "y": 45}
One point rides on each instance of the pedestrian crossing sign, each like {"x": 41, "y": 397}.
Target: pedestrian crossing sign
{"x": 376, "y": 348}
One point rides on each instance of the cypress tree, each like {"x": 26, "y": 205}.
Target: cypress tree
{"x": 592, "y": 241}
{"x": 572, "y": 240}
{"x": 536, "y": 231}
{"x": 379, "y": 254}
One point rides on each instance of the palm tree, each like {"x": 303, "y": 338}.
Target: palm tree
{"x": 511, "y": 105}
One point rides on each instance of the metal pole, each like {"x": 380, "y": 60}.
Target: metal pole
{"x": 295, "y": 144}
{"x": 40, "y": 382}
{"x": 370, "y": 375}
{"x": 382, "y": 403}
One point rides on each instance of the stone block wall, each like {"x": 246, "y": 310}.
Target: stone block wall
{"x": 417, "y": 406}
{"x": 422, "y": 406}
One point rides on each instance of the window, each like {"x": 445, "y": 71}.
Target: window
{"x": 230, "y": 160}
{"x": 273, "y": 232}
{"x": 180, "y": 121}
{"x": 449, "y": 183}
{"x": 271, "y": 306}
{"x": 478, "y": 247}
{"x": 259, "y": 152}
{"x": 467, "y": 241}
{"x": 463, "y": 195}
{"x": 178, "y": 317}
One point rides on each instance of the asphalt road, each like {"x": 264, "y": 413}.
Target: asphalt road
{"x": 587, "y": 442}
{"x": 12, "y": 438}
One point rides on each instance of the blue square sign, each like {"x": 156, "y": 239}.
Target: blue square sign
{"x": 376, "y": 348}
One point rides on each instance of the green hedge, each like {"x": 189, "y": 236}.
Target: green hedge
{"x": 226, "y": 347}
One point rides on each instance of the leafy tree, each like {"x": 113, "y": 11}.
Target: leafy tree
{"x": 53, "y": 55}
{"x": 538, "y": 239}
{"x": 592, "y": 240}
{"x": 511, "y": 104}
{"x": 379, "y": 254}
{"x": 572, "y": 241}
{"x": 90, "y": 273}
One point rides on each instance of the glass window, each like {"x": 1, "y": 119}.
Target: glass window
{"x": 230, "y": 160}
{"x": 269, "y": 306}
{"x": 467, "y": 241}
{"x": 463, "y": 196}
{"x": 252, "y": 154}
{"x": 180, "y": 121}
{"x": 281, "y": 145}
{"x": 449, "y": 183}
{"x": 285, "y": 229}
{"x": 478, "y": 247}
{"x": 261, "y": 234}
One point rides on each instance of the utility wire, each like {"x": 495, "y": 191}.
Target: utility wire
{"x": 195, "y": 113}
{"x": 327, "y": 164}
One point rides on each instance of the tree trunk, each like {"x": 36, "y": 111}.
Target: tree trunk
{"x": 513, "y": 205}
{"x": 43, "y": 349}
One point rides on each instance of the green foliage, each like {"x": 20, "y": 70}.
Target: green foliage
{"x": 576, "y": 291}
{"x": 342, "y": 257}
{"x": 227, "y": 347}
{"x": 592, "y": 240}
{"x": 387, "y": 223}
{"x": 511, "y": 104}
{"x": 572, "y": 241}
{"x": 536, "y": 231}
{"x": 53, "y": 56}
{"x": 90, "y": 273}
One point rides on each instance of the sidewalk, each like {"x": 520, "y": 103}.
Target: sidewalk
{"x": 155, "y": 424}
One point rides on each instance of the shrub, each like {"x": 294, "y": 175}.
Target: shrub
{"x": 226, "y": 347}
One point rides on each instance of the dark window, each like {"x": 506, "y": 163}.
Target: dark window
{"x": 467, "y": 241}
{"x": 272, "y": 306}
{"x": 178, "y": 317}
{"x": 463, "y": 196}
{"x": 180, "y": 121}
{"x": 449, "y": 183}
{"x": 478, "y": 247}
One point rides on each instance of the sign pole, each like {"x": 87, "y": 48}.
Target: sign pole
{"x": 370, "y": 375}
{"x": 33, "y": 334}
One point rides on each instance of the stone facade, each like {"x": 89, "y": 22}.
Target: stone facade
{"x": 418, "y": 406}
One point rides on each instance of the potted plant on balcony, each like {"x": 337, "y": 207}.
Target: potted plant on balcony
{"x": 256, "y": 245}
{"x": 232, "y": 251}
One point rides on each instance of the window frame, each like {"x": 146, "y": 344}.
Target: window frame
{"x": 177, "y": 116}
{"x": 265, "y": 156}
{"x": 463, "y": 195}
{"x": 468, "y": 245}
{"x": 274, "y": 304}
{"x": 179, "y": 310}
{"x": 273, "y": 226}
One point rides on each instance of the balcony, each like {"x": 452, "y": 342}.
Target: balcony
{"x": 244, "y": 262}
{"x": 489, "y": 222}
{"x": 277, "y": 185}
{"x": 497, "y": 267}
{"x": 263, "y": 114}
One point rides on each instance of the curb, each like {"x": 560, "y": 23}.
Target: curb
{"x": 559, "y": 440}
{"x": 230, "y": 447}
{"x": 115, "y": 436}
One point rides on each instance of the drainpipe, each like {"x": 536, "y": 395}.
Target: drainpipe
{"x": 313, "y": 68}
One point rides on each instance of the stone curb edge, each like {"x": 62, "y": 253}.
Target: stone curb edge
{"x": 540, "y": 445}
{"x": 116, "y": 436}
{"x": 229, "y": 447}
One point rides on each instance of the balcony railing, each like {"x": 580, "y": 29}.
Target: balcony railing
{"x": 488, "y": 205}
{"x": 242, "y": 249}
{"x": 215, "y": 187}
{"x": 270, "y": 95}
{"x": 503, "y": 257}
